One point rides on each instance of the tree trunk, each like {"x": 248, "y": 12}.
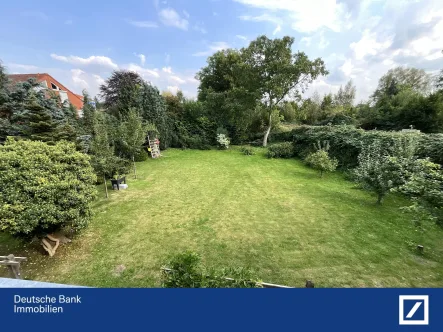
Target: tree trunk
{"x": 265, "y": 139}
{"x": 135, "y": 170}
{"x": 380, "y": 199}
{"x": 106, "y": 187}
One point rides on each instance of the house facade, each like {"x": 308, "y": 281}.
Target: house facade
{"x": 50, "y": 83}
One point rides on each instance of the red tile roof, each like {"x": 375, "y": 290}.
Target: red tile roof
{"x": 74, "y": 99}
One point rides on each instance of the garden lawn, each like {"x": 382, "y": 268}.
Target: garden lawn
{"x": 273, "y": 215}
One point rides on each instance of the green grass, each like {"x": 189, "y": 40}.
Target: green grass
{"x": 273, "y": 215}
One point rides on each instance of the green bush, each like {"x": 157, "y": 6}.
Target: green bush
{"x": 44, "y": 188}
{"x": 431, "y": 146}
{"x": 247, "y": 151}
{"x": 379, "y": 171}
{"x": 347, "y": 142}
{"x": 321, "y": 161}
{"x": 141, "y": 155}
{"x": 186, "y": 271}
{"x": 280, "y": 150}
{"x": 425, "y": 187}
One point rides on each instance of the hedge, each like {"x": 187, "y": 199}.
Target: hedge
{"x": 346, "y": 142}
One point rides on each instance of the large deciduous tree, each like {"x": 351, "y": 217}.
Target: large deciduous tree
{"x": 119, "y": 92}
{"x": 272, "y": 72}
{"x": 401, "y": 78}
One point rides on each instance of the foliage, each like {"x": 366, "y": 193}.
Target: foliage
{"x": 125, "y": 90}
{"x": 242, "y": 89}
{"x": 402, "y": 78}
{"x": 120, "y": 92}
{"x": 321, "y": 161}
{"x": 44, "y": 188}
{"x": 188, "y": 272}
{"x": 141, "y": 155}
{"x": 431, "y": 146}
{"x": 425, "y": 187}
{"x": 247, "y": 151}
{"x": 272, "y": 72}
{"x": 347, "y": 142}
{"x": 223, "y": 141}
{"x": 191, "y": 127}
{"x": 132, "y": 134}
{"x": 28, "y": 111}
{"x": 280, "y": 150}
{"x": 88, "y": 115}
{"x": 345, "y": 96}
{"x": 106, "y": 164}
{"x": 380, "y": 172}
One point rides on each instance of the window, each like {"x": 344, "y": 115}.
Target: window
{"x": 53, "y": 86}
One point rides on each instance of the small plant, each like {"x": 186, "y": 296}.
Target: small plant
{"x": 223, "y": 141}
{"x": 321, "y": 161}
{"x": 186, "y": 271}
{"x": 247, "y": 151}
{"x": 281, "y": 150}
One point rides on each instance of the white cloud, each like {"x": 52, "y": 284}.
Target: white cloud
{"x": 173, "y": 89}
{"x": 241, "y": 37}
{"x": 186, "y": 14}
{"x": 143, "y": 24}
{"x": 97, "y": 60}
{"x": 144, "y": 72}
{"x": 99, "y": 80}
{"x": 368, "y": 44}
{"x": 78, "y": 80}
{"x": 303, "y": 15}
{"x": 261, "y": 18}
{"x": 177, "y": 79}
{"x": 142, "y": 58}
{"x": 170, "y": 17}
{"x": 277, "y": 29}
{"x": 167, "y": 70}
{"x": 167, "y": 58}
{"x": 347, "y": 67}
{"x": 214, "y": 47}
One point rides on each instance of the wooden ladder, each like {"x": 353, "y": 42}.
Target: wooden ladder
{"x": 155, "y": 149}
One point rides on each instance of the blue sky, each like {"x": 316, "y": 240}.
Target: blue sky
{"x": 167, "y": 42}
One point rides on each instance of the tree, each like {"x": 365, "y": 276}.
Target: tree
{"x": 272, "y": 72}
{"x": 133, "y": 134}
{"x": 41, "y": 126}
{"x": 403, "y": 78}
{"x": 106, "y": 164}
{"x": 378, "y": 171}
{"x": 345, "y": 96}
{"x": 227, "y": 100}
{"x": 152, "y": 109}
{"x": 44, "y": 188}
{"x": 125, "y": 90}
{"x": 88, "y": 114}
{"x": 120, "y": 92}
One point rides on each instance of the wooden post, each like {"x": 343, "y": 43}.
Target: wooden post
{"x": 13, "y": 264}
